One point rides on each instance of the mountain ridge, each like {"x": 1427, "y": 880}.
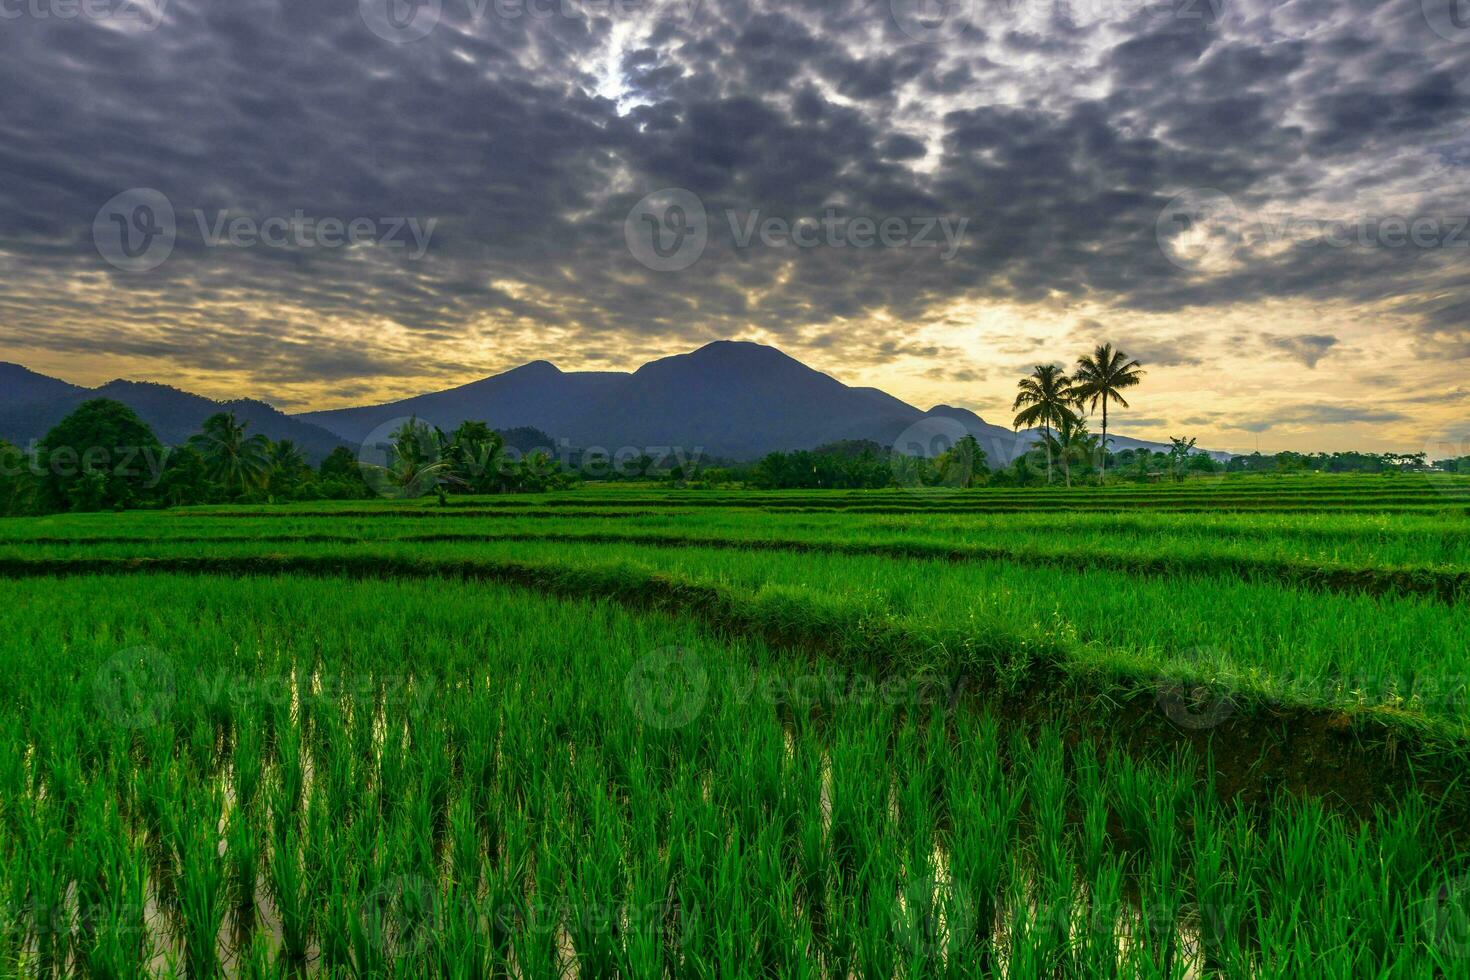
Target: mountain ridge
{"x": 733, "y": 399}
{"x": 728, "y": 399}
{"x": 32, "y": 403}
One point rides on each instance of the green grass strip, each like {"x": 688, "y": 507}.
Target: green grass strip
{"x": 1442, "y": 585}
{"x": 1357, "y": 755}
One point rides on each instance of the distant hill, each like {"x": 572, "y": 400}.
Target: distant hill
{"x": 31, "y": 403}
{"x": 731, "y": 399}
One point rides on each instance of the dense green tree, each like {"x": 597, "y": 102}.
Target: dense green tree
{"x": 340, "y": 476}
{"x": 1179, "y": 453}
{"x": 963, "y": 465}
{"x": 475, "y": 458}
{"x": 415, "y": 463}
{"x": 1202, "y": 463}
{"x": 186, "y": 480}
{"x": 845, "y": 465}
{"x": 537, "y": 473}
{"x": 287, "y": 471}
{"x": 101, "y": 456}
{"x": 340, "y": 464}
{"x": 236, "y": 462}
{"x": 18, "y": 483}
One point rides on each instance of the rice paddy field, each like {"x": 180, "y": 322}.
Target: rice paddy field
{"x": 1217, "y": 729}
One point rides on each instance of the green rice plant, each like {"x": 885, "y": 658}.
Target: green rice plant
{"x": 202, "y": 897}
{"x": 513, "y": 809}
{"x": 289, "y": 884}
{"x": 1042, "y": 760}
{"x": 1221, "y": 887}
{"x": 984, "y": 804}
{"x": 242, "y": 855}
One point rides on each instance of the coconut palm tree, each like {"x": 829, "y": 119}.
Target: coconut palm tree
{"x": 1100, "y": 378}
{"x": 232, "y": 459}
{"x": 1047, "y": 399}
{"x": 1072, "y": 442}
{"x": 415, "y": 462}
{"x": 286, "y": 467}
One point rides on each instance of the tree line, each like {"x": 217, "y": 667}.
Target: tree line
{"x": 104, "y": 457}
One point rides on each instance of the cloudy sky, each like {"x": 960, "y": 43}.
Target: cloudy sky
{"x": 329, "y": 202}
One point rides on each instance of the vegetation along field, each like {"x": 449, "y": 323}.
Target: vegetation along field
{"x": 1203, "y": 729}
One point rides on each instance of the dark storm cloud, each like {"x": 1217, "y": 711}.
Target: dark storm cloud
{"x": 1316, "y": 415}
{"x": 1307, "y": 348}
{"x": 1189, "y": 347}
{"x": 528, "y": 138}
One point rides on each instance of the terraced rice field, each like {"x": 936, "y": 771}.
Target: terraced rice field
{"x": 1207, "y": 730}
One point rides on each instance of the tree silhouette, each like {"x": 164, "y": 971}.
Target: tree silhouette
{"x": 1100, "y": 378}
{"x": 1179, "y": 451}
{"x": 232, "y": 459}
{"x": 1071, "y": 442}
{"x": 94, "y": 458}
{"x": 1047, "y": 399}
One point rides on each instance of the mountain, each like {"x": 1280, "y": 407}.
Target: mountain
{"x": 536, "y": 394}
{"x": 31, "y": 403}
{"x": 729, "y": 399}
{"x": 22, "y": 386}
